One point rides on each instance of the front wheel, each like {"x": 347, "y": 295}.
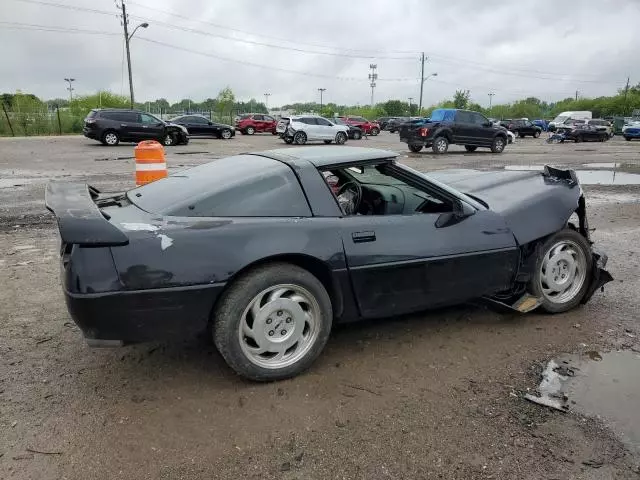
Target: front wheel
{"x": 300, "y": 138}
{"x": 375, "y": 131}
{"x": 562, "y": 271}
{"x": 498, "y": 145}
{"x": 341, "y": 138}
{"x": 470, "y": 148}
{"x": 415, "y": 148}
{"x": 250, "y": 130}
{"x": 225, "y": 134}
{"x": 440, "y": 145}
{"x": 357, "y": 135}
{"x": 110, "y": 138}
{"x": 169, "y": 139}
{"x": 273, "y": 322}
{"x": 288, "y": 140}
{"x": 536, "y": 134}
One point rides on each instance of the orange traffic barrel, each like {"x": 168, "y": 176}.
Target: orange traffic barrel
{"x": 150, "y": 163}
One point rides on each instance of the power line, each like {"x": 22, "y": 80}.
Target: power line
{"x": 67, "y": 7}
{"x": 46, "y": 28}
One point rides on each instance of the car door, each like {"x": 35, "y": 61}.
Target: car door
{"x": 150, "y": 126}
{"x": 258, "y": 121}
{"x": 269, "y": 123}
{"x": 404, "y": 263}
{"x": 325, "y": 129}
{"x": 483, "y": 130}
{"x": 462, "y": 128}
{"x": 311, "y": 128}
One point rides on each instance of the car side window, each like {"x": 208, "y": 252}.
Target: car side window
{"x": 323, "y": 122}
{"x": 267, "y": 118}
{"x": 148, "y": 119}
{"x": 130, "y": 117}
{"x": 199, "y": 120}
{"x": 258, "y": 117}
{"x": 309, "y": 121}
{"x": 464, "y": 117}
{"x": 479, "y": 119}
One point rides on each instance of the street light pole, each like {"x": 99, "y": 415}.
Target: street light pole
{"x": 266, "y": 100}
{"x": 321, "y": 90}
{"x": 490, "y": 101}
{"x": 424, "y": 79}
{"x": 410, "y": 99}
{"x": 70, "y": 88}
{"x": 127, "y": 39}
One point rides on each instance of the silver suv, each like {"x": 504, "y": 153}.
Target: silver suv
{"x": 300, "y": 129}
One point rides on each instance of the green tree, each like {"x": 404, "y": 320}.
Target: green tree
{"x": 395, "y": 108}
{"x": 461, "y": 98}
{"x": 225, "y": 102}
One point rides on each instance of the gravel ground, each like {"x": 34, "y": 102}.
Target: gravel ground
{"x": 435, "y": 395}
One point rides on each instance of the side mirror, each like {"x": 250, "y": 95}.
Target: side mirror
{"x": 159, "y": 124}
{"x": 461, "y": 211}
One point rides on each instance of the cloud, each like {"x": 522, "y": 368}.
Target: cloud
{"x": 547, "y": 49}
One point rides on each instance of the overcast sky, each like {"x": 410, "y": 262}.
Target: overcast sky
{"x": 543, "y": 48}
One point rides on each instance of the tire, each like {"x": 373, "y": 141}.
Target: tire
{"x": 392, "y": 131}
{"x": 415, "y": 148}
{"x": 250, "y": 130}
{"x": 169, "y": 139}
{"x": 548, "y": 257}
{"x": 328, "y": 142}
{"x": 300, "y": 138}
{"x": 628, "y": 139}
{"x": 288, "y": 140}
{"x": 237, "y": 331}
{"x": 578, "y": 139}
{"x": 470, "y": 148}
{"x": 357, "y": 135}
{"x": 521, "y": 135}
{"x": 110, "y": 138}
{"x": 536, "y": 134}
{"x": 225, "y": 134}
{"x": 440, "y": 145}
{"x": 341, "y": 138}
{"x": 498, "y": 144}
{"x": 273, "y": 132}
{"x": 375, "y": 131}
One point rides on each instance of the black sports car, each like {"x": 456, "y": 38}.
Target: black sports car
{"x": 197, "y": 125}
{"x": 354, "y": 133}
{"x": 584, "y": 133}
{"x": 269, "y": 249}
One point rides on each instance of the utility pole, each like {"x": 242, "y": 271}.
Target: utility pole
{"x": 626, "y": 91}
{"x": 422, "y": 60}
{"x": 70, "y": 88}
{"x": 490, "y": 101}
{"x": 577, "y": 92}
{"x": 266, "y": 100}
{"x": 321, "y": 90}
{"x": 127, "y": 39}
{"x": 410, "y": 99}
{"x": 373, "y": 76}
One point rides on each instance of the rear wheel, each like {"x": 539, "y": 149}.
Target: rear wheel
{"x": 225, "y": 134}
{"x": 536, "y": 134}
{"x": 110, "y": 138}
{"x": 470, "y": 148}
{"x": 357, "y": 135}
{"x": 498, "y": 145}
{"x": 300, "y": 138}
{"x": 415, "y": 148}
{"x": 579, "y": 139}
{"x": 562, "y": 271}
{"x": 250, "y": 130}
{"x": 375, "y": 131}
{"x": 288, "y": 140}
{"x": 273, "y": 322}
{"x": 341, "y": 138}
{"x": 440, "y": 145}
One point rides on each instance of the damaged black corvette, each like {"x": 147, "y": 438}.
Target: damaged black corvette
{"x": 267, "y": 250}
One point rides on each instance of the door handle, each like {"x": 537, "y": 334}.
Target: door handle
{"x": 124, "y": 125}
{"x": 145, "y": 126}
{"x": 362, "y": 237}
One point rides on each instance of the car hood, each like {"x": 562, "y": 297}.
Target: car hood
{"x": 533, "y": 204}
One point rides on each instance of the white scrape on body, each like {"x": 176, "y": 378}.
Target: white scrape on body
{"x": 165, "y": 242}
{"x": 140, "y": 227}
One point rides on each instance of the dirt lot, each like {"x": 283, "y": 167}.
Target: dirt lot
{"x": 436, "y": 395}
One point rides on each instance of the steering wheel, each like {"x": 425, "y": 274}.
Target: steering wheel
{"x": 356, "y": 196}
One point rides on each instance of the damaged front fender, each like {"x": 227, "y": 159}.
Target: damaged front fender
{"x": 599, "y": 276}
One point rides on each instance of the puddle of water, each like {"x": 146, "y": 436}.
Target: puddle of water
{"x": 590, "y": 177}
{"x": 601, "y": 385}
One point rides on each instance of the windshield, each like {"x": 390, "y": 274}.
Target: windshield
{"x": 338, "y": 121}
{"x": 560, "y": 119}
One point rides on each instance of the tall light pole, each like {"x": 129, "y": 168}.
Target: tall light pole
{"x": 410, "y": 99}
{"x": 321, "y": 90}
{"x": 373, "y": 76}
{"x": 266, "y": 100}
{"x": 127, "y": 39}
{"x": 70, "y": 88}
{"x": 424, "y": 79}
{"x": 490, "y": 101}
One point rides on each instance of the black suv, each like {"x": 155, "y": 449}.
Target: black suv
{"x": 112, "y": 126}
{"x": 446, "y": 126}
{"x": 522, "y": 128}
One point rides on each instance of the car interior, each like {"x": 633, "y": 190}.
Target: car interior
{"x": 373, "y": 190}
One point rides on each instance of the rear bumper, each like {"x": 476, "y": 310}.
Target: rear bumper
{"x": 92, "y": 134}
{"x": 116, "y": 318}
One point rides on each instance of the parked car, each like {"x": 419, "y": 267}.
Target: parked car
{"x": 602, "y": 125}
{"x": 522, "y": 128}
{"x": 303, "y": 128}
{"x": 257, "y": 250}
{"x": 393, "y": 125}
{"x": 383, "y": 121}
{"x": 369, "y": 128}
{"x": 251, "y": 123}
{"x": 112, "y": 126}
{"x": 632, "y": 131}
{"x": 450, "y": 126}
{"x": 586, "y": 133}
{"x": 198, "y": 125}
{"x": 565, "y": 118}
{"x": 543, "y": 124}
{"x": 354, "y": 133}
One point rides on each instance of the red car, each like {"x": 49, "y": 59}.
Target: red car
{"x": 369, "y": 128}
{"x": 251, "y": 123}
